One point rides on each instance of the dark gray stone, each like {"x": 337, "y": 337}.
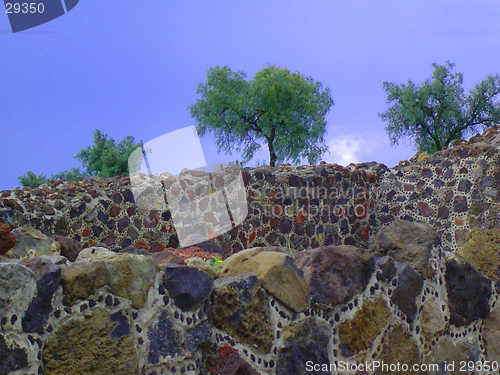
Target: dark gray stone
{"x": 163, "y": 339}
{"x": 410, "y": 285}
{"x": 47, "y": 276}
{"x": 11, "y": 359}
{"x": 469, "y": 292}
{"x": 306, "y": 341}
{"x": 197, "y": 336}
{"x": 123, "y": 326}
{"x": 188, "y": 286}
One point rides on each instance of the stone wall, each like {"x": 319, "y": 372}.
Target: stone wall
{"x": 369, "y": 264}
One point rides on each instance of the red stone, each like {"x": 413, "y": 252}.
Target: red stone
{"x": 195, "y": 251}
{"x": 158, "y": 247}
{"x": 363, "y": 234}
{"x": 301, "y": 217}
{"x": 274, "y": 223}
{"x": 141, "y": 245}
{"x": 166, "y": 256}
{"x": 7, "y": 238}
{"x": 251, "y": 237}
{"x": 86, "y": 232}
{"x": 424, "y": 209}
{"x": 109, "y": 240}
{"x": 360, "y": 212}
{"x": 272, "y": 196}
{"x": 114, "y": 211}
{"x": 278, "y": 210}
{"x": 130, "y": 211}
{"x": 229, "y": 362}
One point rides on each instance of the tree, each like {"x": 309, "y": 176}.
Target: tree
{"x": 106, "y": 158}
{"x": 32, "y": 180}
{"x": 438, "y": 112}
{"x": 72, "y": 174}
{"x": 283, "y": 109}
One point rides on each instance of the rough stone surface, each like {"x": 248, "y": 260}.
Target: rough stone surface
{"x": 407, "y": 242}
{"x": 188, "y": 286}
{"x": 165, "y": 340}
{"x": 196, "y": 251}
{"x": 7, "y": 239}
{"x": 166, "y": 256}
{"x": 130, "y": 275}
{"x": 482, "y": 250}
{"x": 69, "y": 247}
{"x": 31, "y": 242}
{"x": 82, "y": 279}
{"x": 17, "y": 286}
{"x": 280, "y": 276}
{"x": 449, "y": 351}
{"x": 240, "y": 307}
{"x": 204, "y": 266}
{"x": 47, "y": 276}
{"x": 93, "y": 344}
{"x": 358, "y": 333}
{"x": 409, "y": 287}
{"x": 229, "y": 362}
{"x": 432, "y": 319}
{"x": 303, "y": 341}
{"x": 492, "y": 335}
{"x": 12, "y": 358}
{"x": 401, "y": 348}
{"x": 197, "y": 336}
{"x": 335, "y": 273}
{"x": 468, "y": 291}
{"x": 292, "y": 208}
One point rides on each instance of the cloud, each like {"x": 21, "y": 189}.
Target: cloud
{"x": 346, "y": 149}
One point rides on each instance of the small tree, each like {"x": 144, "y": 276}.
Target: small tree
{"x": 72, "y": 174}
{"x": 438, "y": 112}
{"x": 285, "y": 110}
{"x": 103, "y": 159}
{"x": 106, "y": 158}
{"x": 31, "y": 180}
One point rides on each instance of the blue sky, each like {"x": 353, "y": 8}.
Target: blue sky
{"x": 132, "y": 67}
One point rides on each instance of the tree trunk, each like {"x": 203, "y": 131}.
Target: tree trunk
{"x": 272, "y": 157}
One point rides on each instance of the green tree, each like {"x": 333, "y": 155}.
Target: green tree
{"x": 438, "y": 112}
{"x": 72, "y": 174}
{"x": 32, "y": 180}
{"x": 105, "y": 158}
{"x": 285, "y": 110}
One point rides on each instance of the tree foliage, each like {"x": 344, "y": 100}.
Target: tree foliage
{"x": 438, "y": 111}
{"x": 285, "y": 110}
{"x": 104, "y": 158}
{"x": 31, "y": 180}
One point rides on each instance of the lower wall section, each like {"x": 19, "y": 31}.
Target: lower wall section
{"x": 334, "y": 309}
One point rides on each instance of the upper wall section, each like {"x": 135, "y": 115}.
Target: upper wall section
{"x": 300, "y": 207}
